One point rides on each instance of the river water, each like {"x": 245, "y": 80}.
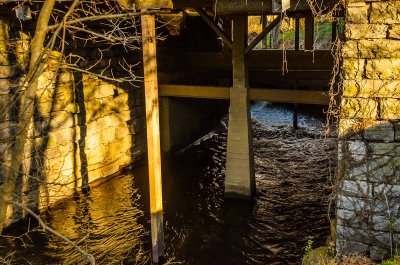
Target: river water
{"x": 294, "y": 170}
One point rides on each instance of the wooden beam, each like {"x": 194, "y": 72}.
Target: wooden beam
{"x": 309, "y": 33}
{"x": 264, "y": 33}
{"x": 262, "y": 94}
{"x": 239, "y": 173}
{"x": 153, "y": 134}
{"x": 260, "y": 59}
{"x": 214, "y": 27}
{"x": 297, "y": 34}
{"x": 334, "y": 31}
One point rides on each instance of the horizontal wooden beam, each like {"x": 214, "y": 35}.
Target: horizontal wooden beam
{"x": 263, "y": 94}
{"x": 263, "y": 59}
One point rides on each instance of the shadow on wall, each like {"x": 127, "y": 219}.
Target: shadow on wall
{"x": 368, "y": 203}
{"x": 84, "y": 129}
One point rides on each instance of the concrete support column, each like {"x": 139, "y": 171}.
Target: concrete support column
{"x": 153, "y": 135}
{"x": 239, "y": 180}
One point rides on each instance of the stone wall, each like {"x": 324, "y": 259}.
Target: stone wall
{"x": 368, "y": 204}
{"x": 84, "y": 128}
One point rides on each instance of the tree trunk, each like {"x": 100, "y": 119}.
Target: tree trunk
{"x": 26, "y": 110}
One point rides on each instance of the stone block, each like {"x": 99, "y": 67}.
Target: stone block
{"x": 4, "y": 86}
{"x": 387, "y": 149}
{"x": 390, "y": 109}
{"x": 357, "y": 188}
{"x": 379, "y": 131}
{"x": 352, "y": 203}
{"x": 354, "y": 234}
{"x": 357, "y": 13}
{"x": 379, "y": 252}
{"x": 397, "y": 131}
{"x": 347, "y": 246}
{"x": 368, "y": 88}
{"x": 384, "y": 69}
{"x": 61, "y": 119}
{"x": 65, "y": 136}
{"x": 350, "y": 49}
{"x": 385, "y": 206}
{"x": 385, "y": 223}
{"x": 104, "y": 90}
{"x": 394, "y": 31}
{"x": 388, "y": 190}
{"x": 353, "y": 68}
{"x": 357, "y": 148}
{"x": 366, "y": 31}
{"x": 350, "y": 129}
{"x": 379, "y": 48}
{"x": 359, "y": 108}
{"x": 374, "y": 169}
{"x": 6, "y": 71}
{"x": 385, "y": 12}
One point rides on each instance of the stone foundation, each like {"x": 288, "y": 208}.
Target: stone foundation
{"x": 84, "y": 128}
{"x": 368, "y": 205}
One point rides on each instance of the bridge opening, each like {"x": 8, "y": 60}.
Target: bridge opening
{"x": 258, "y": 68}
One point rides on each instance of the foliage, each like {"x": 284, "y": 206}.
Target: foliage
{"x": 394, "y": 261}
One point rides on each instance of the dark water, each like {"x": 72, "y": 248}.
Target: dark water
{"x": 293, "y": 172}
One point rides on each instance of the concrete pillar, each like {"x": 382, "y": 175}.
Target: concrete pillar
{"x": 153, "y": 135}
{"x": 239, "y": 180}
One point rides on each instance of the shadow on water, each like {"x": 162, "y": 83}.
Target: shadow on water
{"x": 293, "y": 169}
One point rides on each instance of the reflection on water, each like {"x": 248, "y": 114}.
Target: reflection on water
{"x": 293, "y": 169}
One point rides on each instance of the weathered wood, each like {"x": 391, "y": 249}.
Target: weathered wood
{"x": 262, "y": 94}
{"x": 334, "y": 31}
{"x": 309, "y": 33}
{"x": 295, "y": 109}
{"x": 266, "y": 59}
{"x": 264, "y": 33}
{"x": 297, "y": 34}
{"x": 153, "y": 134}
{"x": 215, "y": 27}
{"x": 240, "y": 178}
{"x": 254, "y": 6}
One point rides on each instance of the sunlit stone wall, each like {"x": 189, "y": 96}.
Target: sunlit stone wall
{"x": 84, "y": 128}
{"x": 368, "y": 204}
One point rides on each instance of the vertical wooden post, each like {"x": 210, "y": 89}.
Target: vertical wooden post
{"x": 264, "y": 20}
{"x": 153, "y": 135}
{"x": 297, "y": 34}
{"x": 227, "y": 27}
{"x": 334, "y": 31}
{"x": 295, "y": 110}
{"x": 239, "y": 180}
{"x": 309, "y": 32}
{"x": 296, "y": 48}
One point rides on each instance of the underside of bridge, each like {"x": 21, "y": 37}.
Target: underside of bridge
{"x": 212, "y": 57}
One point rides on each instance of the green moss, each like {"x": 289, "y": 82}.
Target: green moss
{"x": 394, "y": 261}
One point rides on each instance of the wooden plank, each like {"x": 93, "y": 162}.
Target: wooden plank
{"x": 153, "y": 134}
{"x": 262, "y": 94}
{"x": 255, "y": 6}
{"x": 214, "y": 27}
{"x": 264, "y": 33}
{"x": 268, "y": 59}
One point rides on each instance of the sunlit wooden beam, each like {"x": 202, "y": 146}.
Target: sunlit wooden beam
{"x": 153, "y": 134}
{"x": 263, "y": 94}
